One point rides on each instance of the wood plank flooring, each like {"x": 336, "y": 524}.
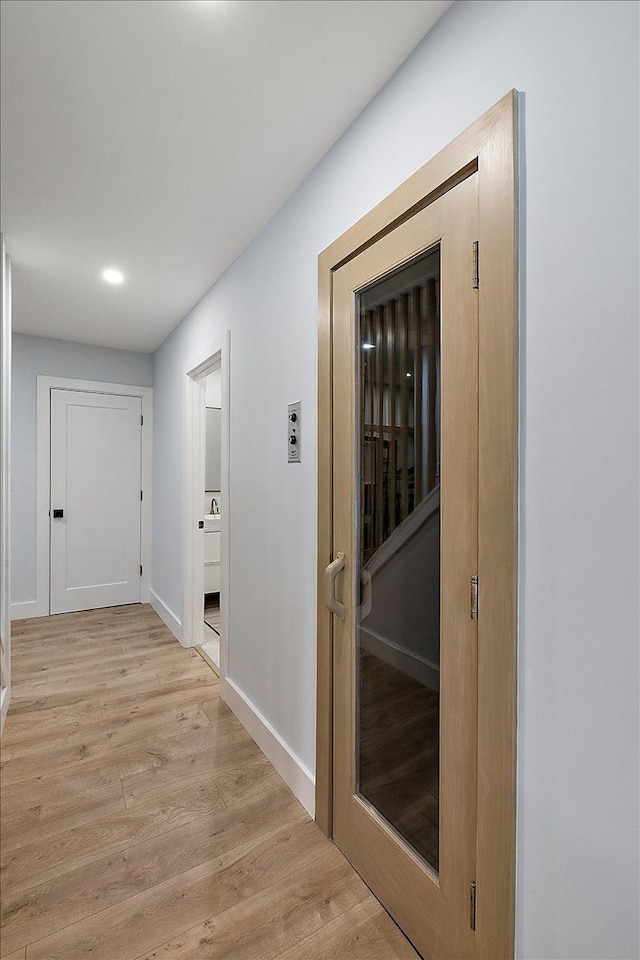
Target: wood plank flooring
{"x": 399, "y": 752}
{"x": 139, "y": 820}
{"x": 212, "y": 611}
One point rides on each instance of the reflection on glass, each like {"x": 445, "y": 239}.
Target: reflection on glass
{"x": 212, "y": 450}
{"x": 398, "y": 621}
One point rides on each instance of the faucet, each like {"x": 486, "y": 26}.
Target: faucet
{"x": 214, "y": 506}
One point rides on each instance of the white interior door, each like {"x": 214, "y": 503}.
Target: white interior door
{"x": 95, "y": 508}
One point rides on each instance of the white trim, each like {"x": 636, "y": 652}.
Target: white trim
{"x": 293, "y": 771}
{"x": 43, "y": 471}
{"x": 193, "y": 488}
{"x": 225, "y": 521}
{"x": 5, "y": 697}
{"x": 24, "y": 610}
{"x": 5, "y": 482}
{"x": 215, "y": 356}
{"x": 167, "y": 615}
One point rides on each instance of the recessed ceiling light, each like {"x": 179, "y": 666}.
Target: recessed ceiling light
{"x": 111, "y": 275}
{"x": 368, "y": 346}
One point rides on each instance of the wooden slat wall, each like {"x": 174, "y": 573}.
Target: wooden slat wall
{"x": 404, "y": 406}
{"x": 379, "y": 461}
{"x": 433, "y": 352}
{"x": 416, "y": 317}
{"x": 393, "y": 451}
{"x": 399, "y": 413}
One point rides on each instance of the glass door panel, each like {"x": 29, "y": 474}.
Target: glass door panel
{"x": 398, "y": 619}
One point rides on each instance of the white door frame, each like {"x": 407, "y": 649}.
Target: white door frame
{"x": 43, "y": 476}
{"x": 208, "y": 359}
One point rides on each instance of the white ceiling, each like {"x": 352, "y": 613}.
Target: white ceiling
{"x": 159, "y": 136}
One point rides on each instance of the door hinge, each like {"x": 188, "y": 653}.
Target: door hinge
{"x": 472, "y": 904}
{"x": 474, "y": 598}
{"x": 140, "y": 569}
{"x": 476, "y": 275}
{"x": 141, "y": 494}
{"x": 141, "y": 419}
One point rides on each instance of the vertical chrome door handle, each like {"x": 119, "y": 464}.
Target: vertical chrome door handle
{"x": 330, "y": 575}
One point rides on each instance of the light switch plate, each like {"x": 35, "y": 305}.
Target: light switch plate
{"x": 294, "y": 433}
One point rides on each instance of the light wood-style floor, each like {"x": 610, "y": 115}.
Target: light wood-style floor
{"x": 212, "y": 611}
{"x": 140, "y": 820}
{"x": 399, "y": 752}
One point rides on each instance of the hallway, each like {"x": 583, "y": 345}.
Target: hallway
{"x": 140, "y": 820}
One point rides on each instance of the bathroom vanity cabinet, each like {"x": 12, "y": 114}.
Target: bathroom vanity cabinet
{"x": 212, "y": 561}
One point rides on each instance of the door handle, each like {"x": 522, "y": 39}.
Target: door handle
{"x": 58, "y": 514}
{"x": 330, "y": 575}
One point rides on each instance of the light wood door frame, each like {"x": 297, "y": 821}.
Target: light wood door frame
{"x": 488, "y": 146}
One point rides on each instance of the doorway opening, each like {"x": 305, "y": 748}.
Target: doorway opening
{"x": 213, "y": 510}
{"x": 206, "y": 506}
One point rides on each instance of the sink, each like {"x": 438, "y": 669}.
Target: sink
{"x": 212, "y": 522}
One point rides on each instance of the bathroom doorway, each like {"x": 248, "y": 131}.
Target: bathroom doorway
{"x": 213, "y": 514}
{"x": 206, "y": 506}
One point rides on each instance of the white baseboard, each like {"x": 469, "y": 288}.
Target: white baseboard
{"x": 23, "y": 611}
{"x": 295, "y": 774}
{"x": 167, "y": 616}
{"x": 5, "y": 696}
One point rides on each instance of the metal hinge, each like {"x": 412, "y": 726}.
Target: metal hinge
{"x": 476, "y": 275}
{"x": 141, "y": 419}
{"x": 141, "y": 494}
{"x": 140, "y": 569}
{"x": 474, "y": 598}
{"x": 472, "y": 904}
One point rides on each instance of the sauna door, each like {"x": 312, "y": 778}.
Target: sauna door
{"x": 402, "y": 584}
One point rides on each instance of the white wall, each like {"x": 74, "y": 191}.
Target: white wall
{"x": 577, "y": 65}
{"x": 5, "y": 463}
{"x": 33, "y": 357}
{"x": 213, "y": 388}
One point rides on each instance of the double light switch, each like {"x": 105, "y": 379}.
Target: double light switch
{"x": 294, "y": 433}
